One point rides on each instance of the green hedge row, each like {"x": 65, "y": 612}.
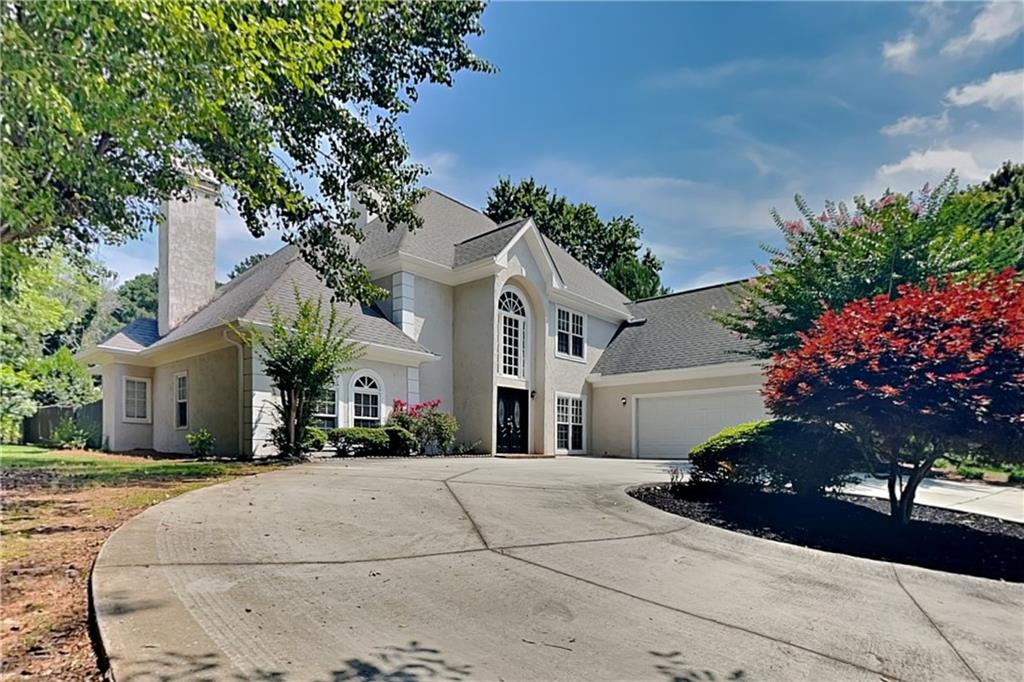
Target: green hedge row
{"x": 372, "y": 442}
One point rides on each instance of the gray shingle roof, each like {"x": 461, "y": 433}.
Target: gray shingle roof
{"x": 273, "y": 282}
{"x": 136, "y": 335}
{"x": 675, "y": 332}
{"x": 581, "y": 280}
{"x": 446, "y": 222}
{"x": 489, "y": 244}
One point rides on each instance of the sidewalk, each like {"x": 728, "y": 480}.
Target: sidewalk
{"x": 1004, "y": 502}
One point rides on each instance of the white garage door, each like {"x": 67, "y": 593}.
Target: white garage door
{"x": 669, "y": 426}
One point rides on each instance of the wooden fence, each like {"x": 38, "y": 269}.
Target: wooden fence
{"x": 39, "y": 427}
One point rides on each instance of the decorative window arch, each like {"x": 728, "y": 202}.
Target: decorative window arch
{"x": 512, "y": 320}
{"x": 367, "y": 391}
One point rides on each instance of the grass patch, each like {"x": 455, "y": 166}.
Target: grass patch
{"x": 80, "y": 468}
{"x": 58, "y": 509}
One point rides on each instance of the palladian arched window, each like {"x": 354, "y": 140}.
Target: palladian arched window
{"x": 512, "y": 321}
{"x": 366, "y": 400}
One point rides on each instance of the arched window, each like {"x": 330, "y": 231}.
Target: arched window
{"x": 366, "y": 401}
{"x": 512, "y": 319}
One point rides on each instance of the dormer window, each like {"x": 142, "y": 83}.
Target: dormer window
{"x": 571, "y": 335}
{"x": 512, "y": 320}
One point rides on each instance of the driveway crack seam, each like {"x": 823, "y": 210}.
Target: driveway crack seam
{"x": 469, "y": 516}
{"x": 708, "y": 619}
{"x": 580, "y": 542}
{"x": 935, "y": 625}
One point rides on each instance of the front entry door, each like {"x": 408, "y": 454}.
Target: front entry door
{"x": 512, "y": 420}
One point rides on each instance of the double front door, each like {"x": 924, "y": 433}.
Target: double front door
{"x": 512, "y": 421}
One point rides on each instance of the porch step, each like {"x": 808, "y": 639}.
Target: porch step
{"x": 512, "y": 455}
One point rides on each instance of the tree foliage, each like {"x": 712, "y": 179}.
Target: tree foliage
{"x": 110, "y": 108}
{"x": 61, "y": 380}
{"x": 301, "y": 353}
{"x": 246, "y": 263}
{"x": 609, "y": 248}
{"x": 835, "y": 257}
{"x": 137, "y": 298}
{"x": 937, "y": 371}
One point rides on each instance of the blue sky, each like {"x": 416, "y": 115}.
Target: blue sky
{"x": 698, "y": 118}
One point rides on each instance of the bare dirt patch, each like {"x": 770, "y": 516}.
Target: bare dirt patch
{"x": 54, "y": 521}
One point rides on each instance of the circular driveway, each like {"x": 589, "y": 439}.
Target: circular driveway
{"x": 489, "y": 569}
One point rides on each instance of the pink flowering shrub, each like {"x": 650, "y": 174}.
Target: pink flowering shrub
{"x": 831, "y": 257}
{"x": 433, "y": 428}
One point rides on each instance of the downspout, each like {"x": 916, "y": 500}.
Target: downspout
{"x": 241, "y": 390}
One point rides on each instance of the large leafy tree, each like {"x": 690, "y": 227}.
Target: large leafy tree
{"x": 43, "y": 300}
{"x": 937, "y": 371}
{"x": 609, "y": 248}
{"x": 137, "y": 298}
{"x": 838, "y": 256}
{"x": 302, "y": 352}
{"x": 110, "y": 108}
{"x": 245, "y": 264}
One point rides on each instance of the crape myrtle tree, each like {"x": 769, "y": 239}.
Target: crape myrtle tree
{"x": 936, "y": 371}
{"x": 109, "y": 108}
{"x": 301, "y": 353}
{"x": 831, "y": 258}
{"x": 608, "y": 247}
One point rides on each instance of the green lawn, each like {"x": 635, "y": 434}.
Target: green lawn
{"x": 94, "y": 468}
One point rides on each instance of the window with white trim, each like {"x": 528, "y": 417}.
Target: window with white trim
{"x": 181, "y": 400}
{"x": 325, "y": 408}
{"x": 571, "y": 335}
{"x": 569, "y": 424}
{"x": 136, "y": 399}
{"x": 365, "y": 401}
{"x": 512, "y": 314}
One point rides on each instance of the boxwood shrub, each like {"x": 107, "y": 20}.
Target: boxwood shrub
{"x": 777, "y": 455}
{"x": 372, "y": 442}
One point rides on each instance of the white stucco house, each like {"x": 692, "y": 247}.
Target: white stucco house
{"x": 531, "y": 351}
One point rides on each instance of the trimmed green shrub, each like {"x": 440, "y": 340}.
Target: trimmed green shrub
{"x": 401, "y": 441}
{"x": 776, "y": 454}
{"x": 316, "y": 439}
{"x": 359, "y": 441}
{"x": 67, "y": 435}
{"x": 201, "y": 442}
{"x": 970, "y": 473}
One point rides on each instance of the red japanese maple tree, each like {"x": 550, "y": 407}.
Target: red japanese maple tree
{"x": 935, "y": 371}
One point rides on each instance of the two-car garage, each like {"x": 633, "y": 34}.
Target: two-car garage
{"x": 669, "y": 425}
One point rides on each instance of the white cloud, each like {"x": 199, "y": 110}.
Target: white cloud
{"x": 713, "y": 74}
{"x": 901, "y": 55}
{"x": 672, "y": 253}
{"x": 996, "y": 22}
{"x": 935, "y": 161}
{"x": 918, "y": 125}
{"x": 713, "y": 276}
{"x": 124, "y": 264}
{"x": 1005, "y": 88}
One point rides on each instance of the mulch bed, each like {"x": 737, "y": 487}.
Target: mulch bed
{"x": 939, "y": 539}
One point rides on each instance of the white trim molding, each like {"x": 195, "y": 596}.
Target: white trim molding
{"x": 148, "y": 419}
{"x": 412, "y": 385}
{"x": 725, "y": 369}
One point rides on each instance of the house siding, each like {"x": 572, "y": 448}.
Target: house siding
{"x": 473, "y": 375}
{"x": 119, "y": 435}
{"x": 212, "y": 401}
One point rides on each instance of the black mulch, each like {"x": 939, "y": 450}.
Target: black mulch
{"x": 939, "y": 539}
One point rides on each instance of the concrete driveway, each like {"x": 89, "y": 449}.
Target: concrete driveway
{"x": 486, "y": 569}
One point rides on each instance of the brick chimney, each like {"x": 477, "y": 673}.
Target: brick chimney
{"x": 188, "y": 238}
